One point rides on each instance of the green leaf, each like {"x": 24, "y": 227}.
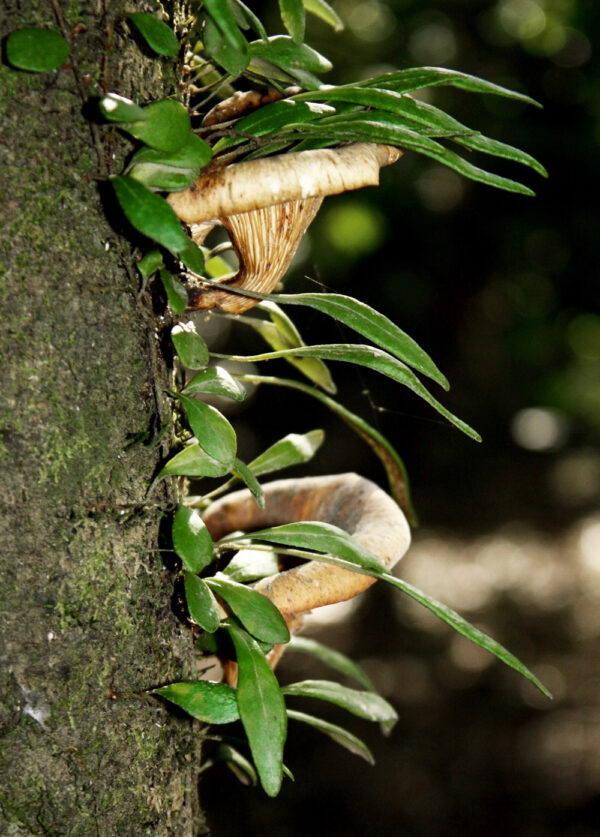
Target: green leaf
{"x": 372, "y": 358}
{"x": 214, "y": 433}
{"x": 192, "y": 257}
{"x": 338, "y": 734}
{"x": 224, "y": 19}
{"x": 213, "y": 703}
{"x": 149, "y": 214}
{"x": 193, "y": 461}
{"x": 233, "y": 59}
{"x": 371, "y": 324}
{"x": 246, "y": 19}
{"x": 150, "y": 263}
{"x": 163, "y": 178}
{"x": 366, "y": 705}
{"x": 258, "y": 614}
{"x": 293, "y": 449}
{"x": 119, "y": 109}
{"x": 283, "y": 52}
{"x": 334, "y": 659}
{"x": 195, "y": 154}
{"x": 241, "y": 470}
{"x": 216, "y": 381}
{"x": 176, "y": 292}
{"x": 190, "y": 347}
{"x": 478, "y": 142}
{"x": 201, "y": 603}
{"x": 166, "y": 126}
{"x": 262, "y": 709}
{"x": 292, "y": 14}
{"x": 323, "y": 10}
{"x": 36, "y": 50}
{"x": 157, "y": 34}
{"x": 191, "y": 539}
{"x": 250, "y": 565}
{"x": 242, "y": 769}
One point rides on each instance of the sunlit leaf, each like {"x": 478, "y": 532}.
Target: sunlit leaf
{"x": 191, "y": 539}
{"x": 292, "y": 14}
{"x": 201, "y": 603}
{"x": 283, "y": 52}
{"x": 338, "y": 734}
{"x": 366, "y": 705}
{"x": 166, "y": 126}
{"x": 193, "y": 461}
{"x": 119, "y": 109}
{"x": 36, "y": 50}
{"x": 334, "y": 659}
{"x": 157, "y": 34}
{"x": 250, "y": 565}
{"x": 216, "y": 381}
{"x": 191, "y": 348}
{"x": 213, "y": 703}
{"x": 293, "y": 449}
{"x": 262, "y": 709}
{"x": 176, "y": 292}
{"x": 258, "y": 614}
{"x": 241, "y": 470}
{"x": 214, "y": 433}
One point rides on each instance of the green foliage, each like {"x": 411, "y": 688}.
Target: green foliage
{"x": 36, "y": 50}
{"x": 157, "y": 34}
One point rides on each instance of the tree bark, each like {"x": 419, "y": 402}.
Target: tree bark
{"x": 85, "y": 621}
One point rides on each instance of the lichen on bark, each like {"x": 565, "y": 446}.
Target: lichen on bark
{"x": 85, "y": 624}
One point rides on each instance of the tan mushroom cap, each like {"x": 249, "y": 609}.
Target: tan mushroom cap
{"x": 348, "y": 501}
{"x": 266, "y": 206}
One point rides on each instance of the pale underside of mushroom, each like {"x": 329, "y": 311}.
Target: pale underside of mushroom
{"x": 348, "y": 501}
{"x": 266, "y": 206}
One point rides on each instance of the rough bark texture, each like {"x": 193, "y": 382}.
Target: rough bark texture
{"x": 85, "y": 619}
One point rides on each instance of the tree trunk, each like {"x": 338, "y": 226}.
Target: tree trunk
{"x": 85, "y": 622}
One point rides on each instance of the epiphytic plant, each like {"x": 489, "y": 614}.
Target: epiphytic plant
{"x": 259, "y": 163}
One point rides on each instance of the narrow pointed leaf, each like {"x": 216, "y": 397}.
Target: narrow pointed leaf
{"x": 334, "y": 659}
{"x": 250, "y": 565}
{"x": 201, "y": 603}
{"x": 149, "y": 214}
{"x": 247, "y": 19}
{"x": 213, "y": 703}
{"x": 191, "y": 539}
{"x": 193, "y": 461}
{"x": 371, "y": 324}
{"x": 338, "y": 734}
{"x": 322, "y": 9}
{"x": 224, "y": 19}
{"x": 190, "y": 347}
{"x": 372, "y": 358}
{"x": 293, "y": 449}
{"x": 214, "y": 433}
{"x": 234, "y": 60}
{"x": 241, "y": 470}
{"x": 477, "y": 142}
{"x": 36, "y": 50}
{"x": 366, "y": 705}
{"x": 159, "y": 37}
{"x": 119, "y": 109}
{"x": 216, "y": 381}
{"x": 292, "y": 14}
{"x": 283, "y": 52}
{"x": 242, "y": 769}
{"x": 262, "y": 709}
{"x": 166, "y": 126}
{"x": 258, "y": 614}
{"x": 176, "y": 292}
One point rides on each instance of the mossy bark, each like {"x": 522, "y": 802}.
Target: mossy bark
{"x": 85, "y": 622}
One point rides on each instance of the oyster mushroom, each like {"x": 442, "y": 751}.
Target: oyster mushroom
{"x": 348, "y": 501}
{"x": 266, "y": 207}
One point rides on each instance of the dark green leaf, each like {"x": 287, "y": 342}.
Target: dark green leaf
{"x": 262, "y": 709}
{"x": 241, "y": 470}
{"x": 213, "y": 703}
{"x": 250, "y": 565}
{"x": 163, "y": 178}
{"x": 293, "y": 449}
{"x": 371, "y": 324}
{"x": 366, "y": 705}
{"x": 233, "y": 59}
{"x": 292, "y": 14}
{"x": 191, "y": 348}
{"x": 334, "y": 659}
{"x": 338, "y": 734}
{"x": 192, "y": 257}
{"x": 322, "y": 9}
{"x": 214, "y": 433}
{"x": 176, "y": 293}
{"x": 36, "y": 50}
{"x": 216, "y": 381}
{"x": 201, "y": 603}
{"x": 149, "y": 214}
{"x": 119, "y": 109}
{"x": 193, "y": 461}
{"x": 191, "y": 539}
{"x": 157, "y": 34}
{"x": 283, "y": 52}
{"x": 246, "y": 18}
{"x": 150, "y": 263}
{"x": 477, "y": 142}
{"x": 224, "y": 19}
{"x": 166, "y": 126}
{"x": 372, "y": 358}
{"x": 258, "y": 614}
{"x": 195, "y": 154}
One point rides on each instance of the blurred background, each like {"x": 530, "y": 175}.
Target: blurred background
{"x": 503, "y": 292}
